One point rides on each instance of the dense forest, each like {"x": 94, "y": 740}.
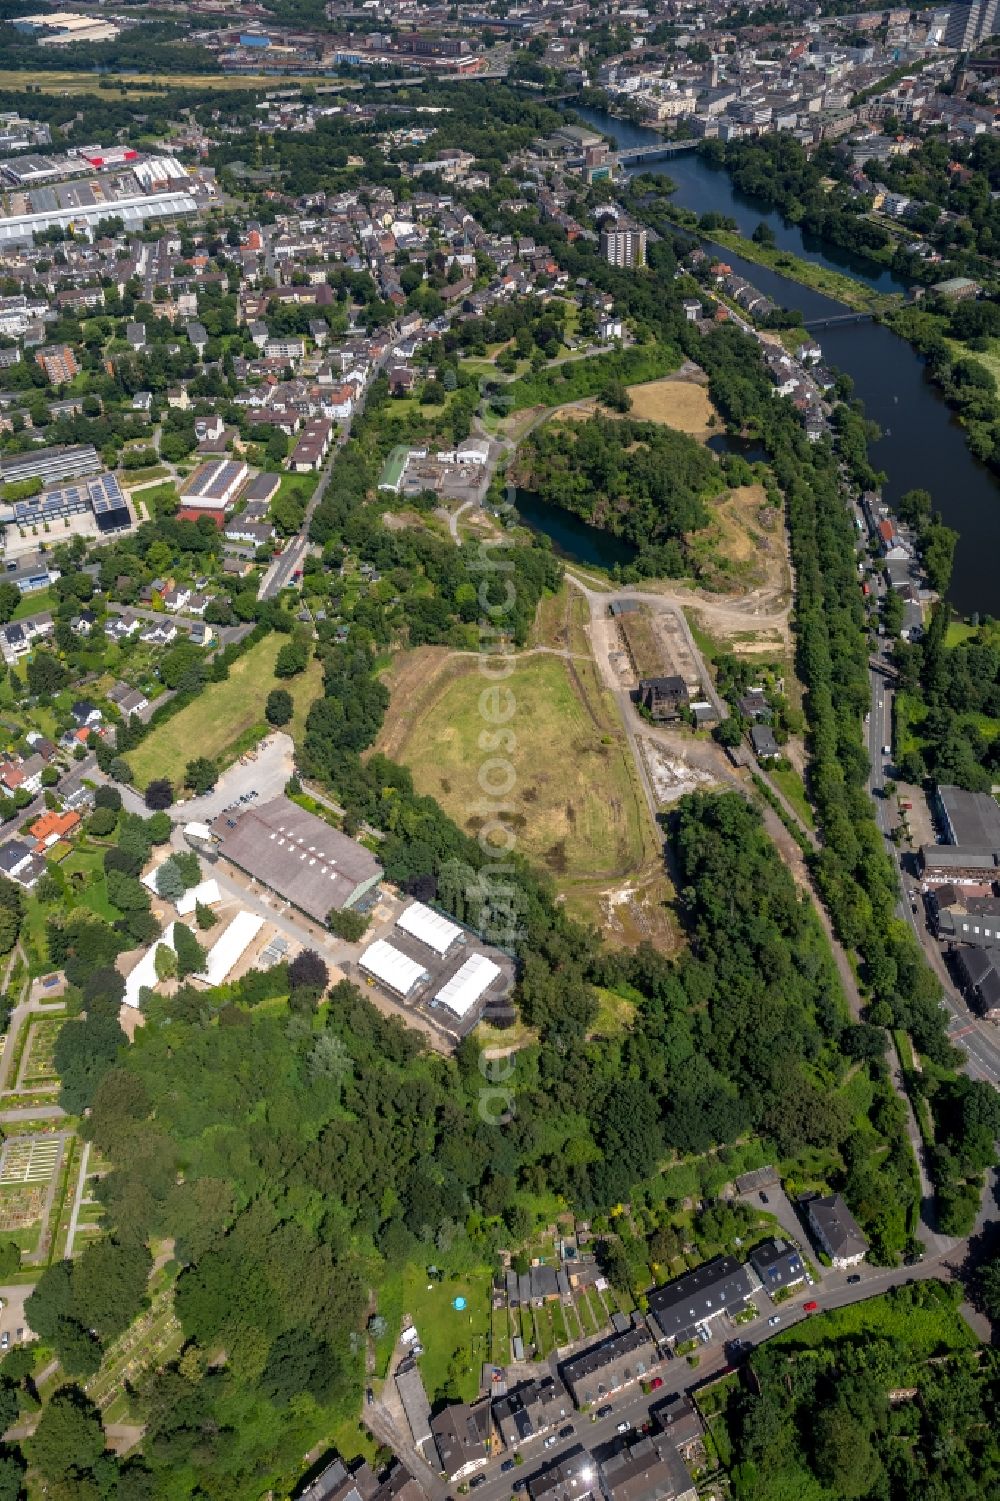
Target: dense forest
{"x": 636, "y": 479}
{"x": 896, "y": 1412}
{"x": 300, "y": 1156}
{"x": 949, "y": 706}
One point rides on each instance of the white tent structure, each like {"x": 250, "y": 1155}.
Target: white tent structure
{"x": 206, "y": 893}
{"x": 467, "y": 984}
{"x": 391, "y": 968}
{"x": 228, "y": 950}
{"x": 144, "y": 973}
{"x": 429, "y": 927}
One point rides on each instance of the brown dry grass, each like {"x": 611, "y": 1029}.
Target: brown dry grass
{"x": 684, "y": 405}
{"x": 681, "y": 404}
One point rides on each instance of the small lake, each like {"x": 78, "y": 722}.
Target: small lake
{"x": 570, "y": 535}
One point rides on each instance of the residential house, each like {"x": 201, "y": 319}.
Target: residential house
{"x": 778, "y": 1265}
{"x": 85, "y": 714}
{"x": 836, "y": 1230}
{"x": 610, "y": 1365}
{"x": 128, "y": 700}
{"x": 530, "y": 1410}
{"x": 51, "y": 827}
{"x": 688, "y": 1306}
{"x": 20, "y": 862}
{"x": 461, "y": 1436}
{"x": 574, "y": 1477}
{"x": 647, "y": 1469}
{"x": 765, "y": 746}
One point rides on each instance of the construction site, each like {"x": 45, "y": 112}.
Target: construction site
{"x": 653, "y": 645}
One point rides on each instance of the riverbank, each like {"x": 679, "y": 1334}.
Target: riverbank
{"x": 822, "y": 279}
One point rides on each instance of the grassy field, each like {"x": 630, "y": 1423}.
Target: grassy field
{"x": 789, "y": 782}
{"x": 222, "y": 713}
{"x": 90, "y": 83}
{"x": 455, "y": 1341}
{"x": 924, "y": 1318}
{"x": 575, "y": 805}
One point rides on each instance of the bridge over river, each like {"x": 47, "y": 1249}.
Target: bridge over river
{"x": 632, "y": 156}
{"x": 838, "y": 320}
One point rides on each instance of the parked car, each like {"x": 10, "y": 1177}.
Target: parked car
{"x": 853, "y": 1280}
{"x": 567, "y": 1432}
{"x": 810, "y": 1307}
{"x": 605, "y": 1411}
{"x": 763, "y": 1197}
{"x": 508, "y": 1464}
{"x": 553, "y": 1438}
{"x": 476, "y": 1482}
{"x": 656, "y": 1383}
{"x": 624, "y": 1426}
{"x": 774, "y": 1319}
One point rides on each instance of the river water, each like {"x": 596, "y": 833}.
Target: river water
{"x": 921, "y": 444}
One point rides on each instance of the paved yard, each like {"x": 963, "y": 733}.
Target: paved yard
{"x": 264, "y": 771}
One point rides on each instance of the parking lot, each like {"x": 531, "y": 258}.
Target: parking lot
{"x": 264, "y": 772}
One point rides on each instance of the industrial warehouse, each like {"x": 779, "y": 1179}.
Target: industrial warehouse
{"x": 440, "y": 969}
{"x": 298, "y": 856}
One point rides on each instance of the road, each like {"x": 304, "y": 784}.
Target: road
{"x": 634, "y": 1406}
{"x": 979, "y": 1038}
{"x": 283, "y": 569}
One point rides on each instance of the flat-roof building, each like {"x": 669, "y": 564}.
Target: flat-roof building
{"x": 50, "y": 465}
{"x": 215, "y": 486}
{"x": 297, "y": 855}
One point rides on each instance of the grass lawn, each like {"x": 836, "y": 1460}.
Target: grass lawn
{"x": 220, "y": 714}
{"x": 576, "y": 806}
{"x": 31, "y": 604}
{"x": 456, "y": 1342}
{"x": 615, "y": 1013}
{"x": 788, "y": 781}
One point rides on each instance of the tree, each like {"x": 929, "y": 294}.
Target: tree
{"x": 204, "y": 917}
{"x": 350, "y": 926}
{"x": 83, "y": 1053}
{"x": 119, "y": 769}
{"x": 291, "y": 659}
{"x": 102, "y": 822}
{"x": 69, "y": 1439}
{"x": 10, "y": 598}
{"x": 169, "y": 881}
{"x": 201, "y": 775}
{"x": 279, "y": 707}
{"x": 308, "y": 971}
{"x": 190, "y": 954}
{"x": 108, "y": 797}
{"x": 159, "y": 794}
{"x": 764, "y": 235}
{"x": 165, "y": 962}
{"x": 46, "y": 674}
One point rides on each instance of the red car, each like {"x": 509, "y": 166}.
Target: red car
{"x": 809, "y": 1307}
{"x": 656, "y": 1383}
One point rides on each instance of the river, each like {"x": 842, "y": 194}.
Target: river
{"x": 921, "y": 444}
